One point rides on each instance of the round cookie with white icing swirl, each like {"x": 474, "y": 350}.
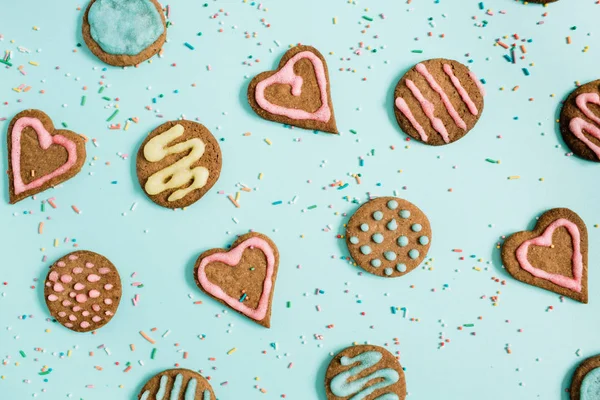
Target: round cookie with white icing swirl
{"x": 177, "y": 384}
{"x": 178, "y": 163}
{"x": 388, "y": 236}
{"x": 365, "y": 372}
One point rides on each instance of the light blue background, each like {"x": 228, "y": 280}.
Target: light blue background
{"x": 161, "y": 245}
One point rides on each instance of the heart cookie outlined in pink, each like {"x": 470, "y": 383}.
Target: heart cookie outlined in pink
{"x": 232, "y": 259}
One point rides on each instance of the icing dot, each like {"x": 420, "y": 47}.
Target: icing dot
{"x": 72, "y": 294}
{"x": 85, "y": 313}
{"x": 52, "y": 297}
{"x": 388, "y": 271}
{"x": 94, "y": 294}
{"x": 58, "y": 287}
{"x": 53, "y": 276}
{"x": 108, "y": 286}
{"x": 364, "y": 227}
{"x": 377, "y": 215}
{"x": 66, "y": 278}
{"x": 79, "y": 286}
{"x": 95, "y": 307}
{"x": 392, "y": 225}
{"x": 404, "y": 214}
{"x": 392, "y": 204}
{"x": 109, "y": 313}
{"x": 61, "y": 264}
{"x": 376, "y": 262}
{"x": 354, "y": 240}
{"x": 389, "y": 255}
{"x": 85, "y": 324}
{"x": 377, "y": 238}
{"x": 81, "y": 298}
{"x": 76, "y": 309}
{"x": 66, "y": 303}
{"x": 96, "y": 318}
{"x": 107, "y": 301}
{"x": 73, "y": 257}
{"x": 77, "y": 270}
{"x": 104, "y": 271}
{"x": 416, "y": 227}
{"x": 365, "y": 250}
{"x": 424, "y": 240}
{"x": 89, "y": 265}
{"x": 62, "y": 314}
{"x": 401, "y": 267}
{"x": 402, "y": 241}
{"x": 413, "y": 253}
{"x": 93, "y": 278}
{"x": 72, "y": 318}
{"x": 69, "y": 325}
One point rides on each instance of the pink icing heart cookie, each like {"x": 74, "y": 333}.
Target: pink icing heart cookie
{"x": 297, "y": 93}
{"x": 554, "y": 256}
{"x": 243, "y": 278}
{"x": 39, "y": 156}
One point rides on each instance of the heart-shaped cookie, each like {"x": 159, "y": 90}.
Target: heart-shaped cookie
{"x": 585, "y": 384}
{"x": 553, "y": 256}
{"x": 365, "y": 372}
{"x": 39, "y": 156}
{"x": 243, "y": 277}
{"x": 297, "y": 93}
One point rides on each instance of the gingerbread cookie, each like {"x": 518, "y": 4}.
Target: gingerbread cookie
{"x": 297, "y": 93}
{"x": 586, "y": 380}
{"x": 243, "y": 277}
{"x": 580, "y": 121}
{"x": 177, "y": 384}
{"x": 124, "y": 32}
{"x": 178, "y": 163}
{"x": 438, "y": 101}
{"x": 388, "y": 236}
{"x": 540, "y": 1}
{"x": 39, "y": 156}
{"x": 82, "y": 291}
{"x": 554, "y": 256}
{"x": 365, "y": 372}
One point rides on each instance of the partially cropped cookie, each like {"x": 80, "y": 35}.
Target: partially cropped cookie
{"x": 585, "y": 384}
{"x": 388, "y": 236}
{"x": 124, "y": 32}
{"x": 297, "y": 93}
{"x": 438, "y": 101}
{"x": 178, "y": 163}
{"x": 540, "y": 1}
{"x": 83, "y": 291}
{"x": 365, "y": 372}
{"x": 177, "y": 384}
{"x": 580, "y": 121}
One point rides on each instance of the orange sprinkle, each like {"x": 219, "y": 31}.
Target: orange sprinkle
{"x": 148, "y": 338}
{"x": 235, "y": 203}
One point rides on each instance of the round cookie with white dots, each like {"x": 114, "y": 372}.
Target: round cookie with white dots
{"x": 388, "y": 236}
{"x": 83, "y": 290}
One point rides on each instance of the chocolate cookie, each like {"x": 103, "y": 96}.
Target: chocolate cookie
{"x": 586, "y": 380}
{"x": 297, "y": 93}
{"x": 438, "y": 101}
{"x": 554, "y": 256}
{"x": 179, "y": 384}
{"x": 540, "y": 1}
{"x": 388, "y": 236}
{"x": 365, "y": 372}
{"x": 178, "y": 163}
{"x": 243, "y": 277}
{"x": 124, "y": 32}
{"x": 580, "y": 121}
{"x": 40, "y": 157}
{"x": 82, "y": 291}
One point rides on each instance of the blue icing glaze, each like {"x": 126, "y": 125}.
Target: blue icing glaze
{"x": 145, "y": 395}
{"x": 392, "y": 204}
{"x": 404, "y": 214}
{"x": 413, "y": 253}
{"x": 389, "y": 255}
{"x": 388, "y": 271}
{"x": 424, "y": 240}
{"x": 590, "y": 386}
{"x": 416, "y": 227}
{"x": 364, "y": 227}
{"x": 401, "y": 267}
{"x": 402, "y": 241}
{"x": 376, "y": 262}
{"x": 377, "y": 238}
{"x": 206, "y": 395}
{"x": 392, "y": 225}
{"x": 365, "y": 249}
{"x": 342, "y": 386}
{"x": 124, "y": 27}
{"x": 176, "y": 387}
{"x": 162, "y": 387}
{"x": 353, "y": 240}
{"x": 377, "y": 215}
{"x": 190, "y": 391}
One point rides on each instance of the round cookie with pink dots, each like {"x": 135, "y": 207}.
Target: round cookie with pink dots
{"x": 388, "y": 236}
{"x": 83, "y": 290}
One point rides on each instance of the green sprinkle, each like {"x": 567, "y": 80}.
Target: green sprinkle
{"x": 199, "y": 34}
{"x": 83, "y": 100}
{"x": 189, "y": 46}
{"x": 367, "y": 18}
{"x": 468, "y": 325}
{"x": 153, "y": 353}
{"x": 353, "y": 131}
{"x": 64, "y": 124}
{"x": 417, "y": 51}
{"x": 101, "y": 89}
{"x": 43, "y": 206}
{"x": 5, "y": 62}
{"x": 45, "y": 372}
{"x": 276, "y": 203}
{"x": 289, "y": 304}
{"x": 112, "y": 116}
{"x": 22, "y": 354}
{"x": 312, "y": 207}
{"x": 344, "y": 186}
{"x": 492, "y": 161}
{"x": 106, "y": 98}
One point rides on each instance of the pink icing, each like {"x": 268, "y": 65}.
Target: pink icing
{"x": 546, "y": 240}
{"x": 93, "y": 278}
{"x": 96, "y": 318}
{"x": 107, "y": 301}
{"x": 66, "y": 278}
{"x": 461, "y": 90}
{"x": 62, "y": 314}
{"x": 94, "y": 294}
{"x": 108, "y": 286}
{"x": 104, "y": 270}
{"x": 52, "y": 297}
{"x": 58, "y": 287}
{"x": 95, "y": 307}
{"x": 477, "y": 82}
{"x": 46, "y": 140}
{"x": 76, "y": 309}
{"x": 89, "y": 265}
{"x": 61, "y": 263}
{"x": 232, "y": 258}
{"x": 79, "y": 286}
{"x": 404, "y": 109}
{"x": 72, "y": 318}
{"x": 85, "y": 324}
{"x": 428, "y": 109}
{"x": 286, "y": 76}
{"x": 66, "y": 303}
{"x": 77, "y": 270}
{"x": 69, "y": 325}
{"x": 85, "y": 313}
{"x": 73, "y": 257}
{"x": 81, "y": 298}
{"x": 53, "y": 276}
{"x": 579, "y": 125}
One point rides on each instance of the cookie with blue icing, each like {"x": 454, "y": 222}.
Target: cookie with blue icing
{"x": 177, "y": 384}
{"x": 365, "y": 372}
{"x": 124, "y": 32}
{"x": 388, "y": 236}
{"x": 585, "y": 384}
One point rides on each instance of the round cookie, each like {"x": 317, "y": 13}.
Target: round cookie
{"x": 438, "y": 101}
{"x": 124, "y": 32}
{"x": 365, "y": 372}
{"x": 180, "y": 384}
{"x": 540, "y": 1}
{"x": 585, "y": 384}
{"x": 388, "y": 236}
{"x": 82, "y": 291}
{"x": 580, "y": 121}
{"x": 178, "y": 163}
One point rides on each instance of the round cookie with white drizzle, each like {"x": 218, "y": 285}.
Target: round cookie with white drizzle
{"x": 177, "y": 384}
{"x": 365, "y": 372}
{"x": 178, "y": 163}
{"x": 388, "y": 236}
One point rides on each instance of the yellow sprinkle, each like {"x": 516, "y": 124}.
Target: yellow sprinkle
{"x": 35, "y": 63}
{"x": 69, "y": 353}
{"x": 55, "y": 242}
{"x": 477, "y": 268}
{"x": 126, "y": 125}
{"x": 260, "y": 176}
{"x": 334, "y": 20}
{"x": 237, "y": 196}
{"x": 514, "y": 177}
{"x": 232, "y": 351}
{"x": 268, "y": 141}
